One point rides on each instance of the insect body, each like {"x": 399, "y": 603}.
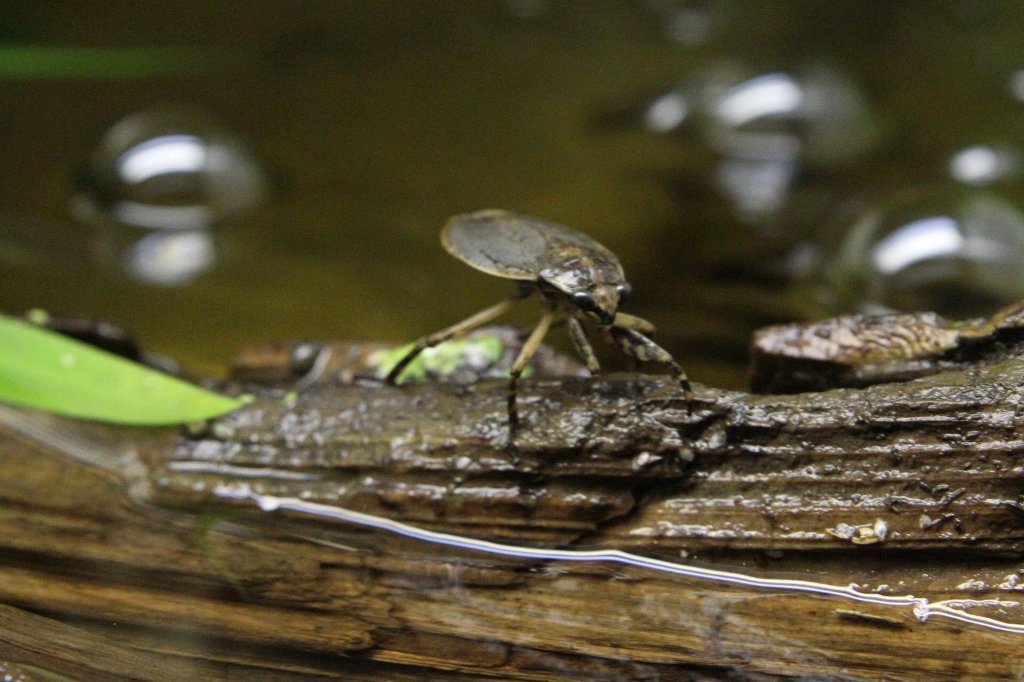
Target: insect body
{"x": 576, "y": 277}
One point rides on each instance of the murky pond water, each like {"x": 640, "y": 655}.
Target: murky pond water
{"x": 212, "y": 177}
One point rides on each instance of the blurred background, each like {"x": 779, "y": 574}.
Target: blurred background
{"x": 212, "y": 174}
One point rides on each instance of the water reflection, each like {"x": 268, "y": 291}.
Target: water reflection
{"x": 176, "y": 174}
{"x": 953, "y": 252}
{"x": 758, "y": 188}
{"x": 760, "y": 98}
{"x": 767, "y": 127}
{"x": 168, "y": 258}
{"x": 687, "y": 22}
{"x": 169, "y": 169}
{"x": 920, "y": 241}
{"x": 921, "y": 607}
{"x": 667, "y": 112}
{"x": 1015, "y": 84}
{"x": 984, "y": 164}
{"x": 816, "y": 114}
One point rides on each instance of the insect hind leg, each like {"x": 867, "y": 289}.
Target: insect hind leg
{"x": 468, "y": 324}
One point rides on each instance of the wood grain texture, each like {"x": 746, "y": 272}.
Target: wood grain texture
{"x": 119, "y": 543}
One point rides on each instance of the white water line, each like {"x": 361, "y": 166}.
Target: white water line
{"x": 954, "y": 609}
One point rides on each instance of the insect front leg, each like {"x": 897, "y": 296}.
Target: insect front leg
{"x": 637, "y": 324}
{"x": 525, "y": 353}
{"x": 636, "y": 345}
{"x": 582, "y": 344}
{"x": 472, "y": 322}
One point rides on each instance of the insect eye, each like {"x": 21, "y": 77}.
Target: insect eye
{"x": 624, "y": 291}
{"x": 583, "y": 299}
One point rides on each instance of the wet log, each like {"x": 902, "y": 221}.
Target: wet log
{"x": 140, "y": 554}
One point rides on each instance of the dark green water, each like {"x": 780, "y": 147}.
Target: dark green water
{"x": 374, "y": 121}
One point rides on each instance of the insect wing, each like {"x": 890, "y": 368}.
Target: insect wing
{"x": 509, "y": 245}
{"x": 498, "y": 242}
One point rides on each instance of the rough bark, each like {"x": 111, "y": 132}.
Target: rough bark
{"x": 120, "y": 548}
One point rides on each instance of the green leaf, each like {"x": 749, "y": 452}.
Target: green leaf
{"x": 43, "y": 370}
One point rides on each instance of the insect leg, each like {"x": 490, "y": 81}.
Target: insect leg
{"x": 582, "y": 344}
{"x": 636, "y": 345}
{"x": 421, "y": 344}
{"x": 525, "y": 353}
{"x": 637, "y": 324}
